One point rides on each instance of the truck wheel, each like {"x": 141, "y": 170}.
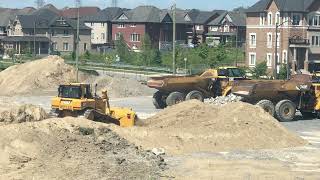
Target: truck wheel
{"x": 174, "y": 98}
{"x": 285, "y": 111}
{"x": 158, "y": 100}
{"x": 195, "y": 95}
{"x": 267, "y": 106}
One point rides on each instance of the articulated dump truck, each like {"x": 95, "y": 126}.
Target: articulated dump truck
{"x": 282, "y": 98}
{"x": 211, "y": 83}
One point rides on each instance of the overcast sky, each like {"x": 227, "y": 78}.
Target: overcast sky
{"x": 186, "y": 4}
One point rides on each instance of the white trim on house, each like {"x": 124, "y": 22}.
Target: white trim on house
{"x": 252, "y": 43}
{"x": 269, "y": 39}
{"x": 269, "y": 60}
{"x": 270, "y": 19}
{"x": 285, "y": 56}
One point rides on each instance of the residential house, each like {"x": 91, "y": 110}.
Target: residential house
{"x": 228, "y": 27}
{"x": 298, "y": 37}
{"x": 44, "y": 32}
{"x": 134, "y": 24}
{"x": 101, "y": 27}
{"x": 197, "y": 22}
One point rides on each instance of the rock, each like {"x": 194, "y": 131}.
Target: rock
{"x": 158, "y": 151}
{"x": 222, "y": 100}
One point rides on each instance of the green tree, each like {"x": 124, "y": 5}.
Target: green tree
{"x": 217, "y": 55}
{"x": 148, "y": 53}
{"x": 259, "y": 70}
{"x": 122, "y": 49}
{"x": 283, "y": 72}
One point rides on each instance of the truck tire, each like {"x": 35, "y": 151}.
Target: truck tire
{"x": 195, "y": 95}
{"x": 267, "y": 106}
{"x": 158, "y": 100}
{"x": 285, "y": 111}
{"x": 174, "y": 98}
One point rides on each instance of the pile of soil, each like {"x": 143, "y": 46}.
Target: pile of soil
{"x": 72, "y": 149}
{"x": 13, "y": 114}
{"x": 193, "y": 126}
{"x": 119, "y": 87}
{"x": 39, "y": 75}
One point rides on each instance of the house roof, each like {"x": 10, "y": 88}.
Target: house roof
{"x": 105, "y": 15}
{"x": 45, "y": 18}
{"x": 237, "y": 18}
{"x": 25, "y": 39}
{"x": 142, "y": 14}
{"x": 8, "y": 14}
{"x": 283, "y": 5}
{"x": 83, "y": 11}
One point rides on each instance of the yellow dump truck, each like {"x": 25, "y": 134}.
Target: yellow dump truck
{"x": 282, "y": 98}
{"x": 211, "y": 83}
{"x": 77, "y": 100}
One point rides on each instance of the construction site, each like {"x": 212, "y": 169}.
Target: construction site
{"x": 128, "y": 130}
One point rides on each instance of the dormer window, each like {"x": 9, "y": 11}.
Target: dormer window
{"x": 270, "y": 18}
{"x": 123, "y": 17}
{"x": 277, "y": 20}
{"x": 296, "y": 19}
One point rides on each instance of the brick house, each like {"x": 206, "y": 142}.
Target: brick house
{"x": 229, "y": 26}
{"x": 298, "y": 34}
{"x": 44, "y": 32}
{"x": 140, "y": 21}
{"x": 101, "y": 27}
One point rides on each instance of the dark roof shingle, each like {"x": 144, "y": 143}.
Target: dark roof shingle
{"x": 283, "y": 5}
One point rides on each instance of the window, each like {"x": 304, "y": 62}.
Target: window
{"x": 226, "y": 28}
{"x": 121, "y": 25}
{"x": 102, "y": 24}
{"x": 252, "y": 59}
{"x": 296, "y": 18}
{"x": 133, "y": 25}
{"x": 262, "y": 19}
{"x": 103, "y": 36}
{"x": 65, "y": 32}
{"x": 213, "y": 28}
{"x": 135, "y": 37}
{"x": 85, "y": 46}
{"x": 199, "y": 27}
{"x": 269, "y": 60}
{"x": 118, "y": 35}
{"x": 92, "y": 24}
{"x": 253, "y": 40}
{"x": 187, "y": 18}
{"x": 55, "y": 46}
{"x": 92, "y": 35}
{"x": 270, "y": 18}
{"x": 278, "y": 40}
{"x": 285, "y": 19}
{"x": 317, "y": 41}
{"x": 314, "y": 20}
{"x": 123, "y": 17}
{"x": 269, "y": 40}
{"x": 277, "y": 20}
{"x": 66, "y": 46}
{"x": 285, "y": 56}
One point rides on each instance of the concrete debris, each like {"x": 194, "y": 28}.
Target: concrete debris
{"x": 222, "y": 100}
{"x": 158, "y": 151}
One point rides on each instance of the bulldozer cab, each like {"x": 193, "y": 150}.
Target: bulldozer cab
{"x": 75, "y": 91}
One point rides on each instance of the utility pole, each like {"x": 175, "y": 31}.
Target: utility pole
{"x": 114, "y": 3}
{"x": 275, "y": 70}
{"x": 40, "y": 3}
{"x": 174, "y": 39}
{"x": 78, "y": 4}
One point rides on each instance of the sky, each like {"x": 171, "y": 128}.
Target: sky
{"x": 185, "y": 4}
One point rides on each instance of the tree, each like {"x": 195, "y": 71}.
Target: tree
{"x": 122, "y": 49}
{"x": 283, "y": 72}
{"x": 217, "y": 55}
{"x": 148, "y": 54}
{"x": 260, "y": 70}
{"x": 195, "y": 39}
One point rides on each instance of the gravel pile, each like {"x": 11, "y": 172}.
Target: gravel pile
{"x": 222, "y": 100}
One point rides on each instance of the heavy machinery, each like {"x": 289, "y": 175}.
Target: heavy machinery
{"x": 282, "y": 98}
{"x": 77, "y": 100}
{"x": 211, "y": 83}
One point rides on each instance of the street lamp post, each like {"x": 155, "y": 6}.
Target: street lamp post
{"x": 174, "y": 39}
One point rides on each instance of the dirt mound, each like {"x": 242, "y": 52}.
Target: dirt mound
{"x": 38, "y": 75}
{"x": 71, "y": 149}
{"x": 119, "y": 87}
{"x": 193, "y": 126}
{"x": 19, "y": 114}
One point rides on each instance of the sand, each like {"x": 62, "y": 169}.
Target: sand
{"x": 193, "y": 126}
{"x": 71, "y": 149}
{"x": 14, "y": 114}
{"x": 35, "y": 76}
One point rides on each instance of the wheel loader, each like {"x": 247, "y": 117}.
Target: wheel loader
{"x": 77, "y": 100}
{"x": 211, "y": 83}
{"x": 282, "y": 98}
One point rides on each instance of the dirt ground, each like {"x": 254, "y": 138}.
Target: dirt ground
{"x": 71, "y": 149}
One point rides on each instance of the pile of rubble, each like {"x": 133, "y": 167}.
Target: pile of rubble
{"x": 222, "y": 100}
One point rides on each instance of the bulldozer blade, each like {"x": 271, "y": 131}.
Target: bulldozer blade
{"x": 103, "y": 118}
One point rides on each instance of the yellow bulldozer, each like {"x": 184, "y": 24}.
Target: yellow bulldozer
{"x": 77, "y": 100}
